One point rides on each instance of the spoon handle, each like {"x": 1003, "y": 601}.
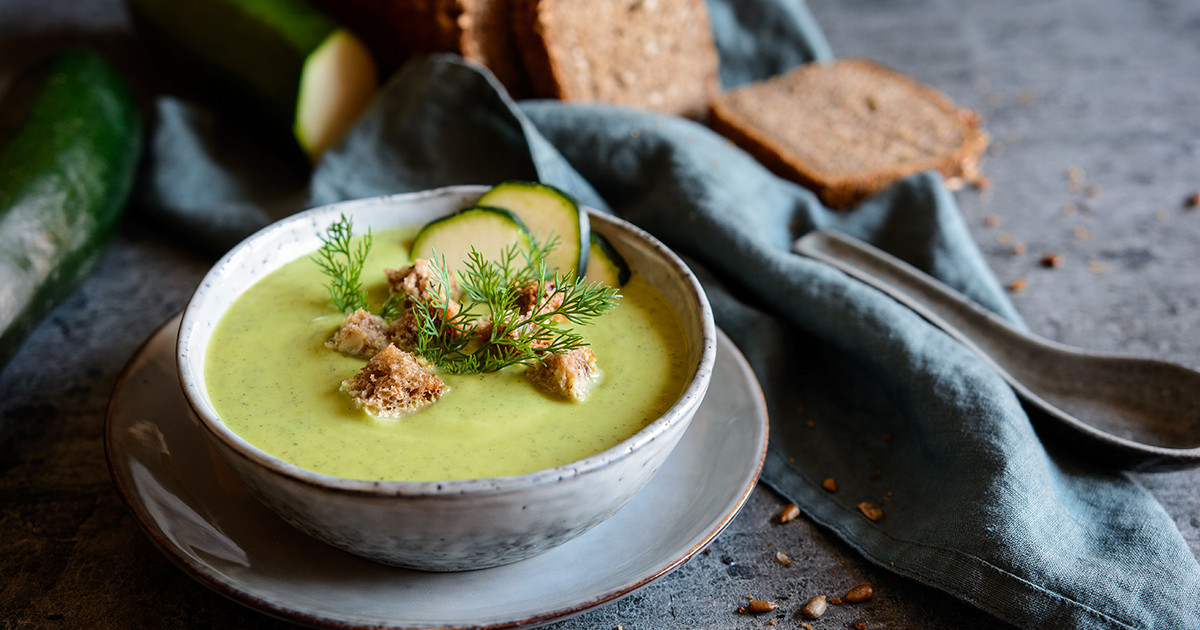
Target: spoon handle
{"x": 987, "y": 334}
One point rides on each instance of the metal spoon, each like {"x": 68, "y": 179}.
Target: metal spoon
{"x": 1123, "y": 411}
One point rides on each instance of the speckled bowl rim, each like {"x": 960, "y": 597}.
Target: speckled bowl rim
{"x": 681, "y": 411}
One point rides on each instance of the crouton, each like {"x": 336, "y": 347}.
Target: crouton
{"x": 393, "y": 384}
{"x": 569, "y": 375}
{"x": 531, "y": 301}
{"x": 361, "y": 335}
{"x": 416, "y": 280}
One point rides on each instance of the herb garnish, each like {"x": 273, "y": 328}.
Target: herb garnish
{"x": 486, "y": 330}
{"x": 343, "y": 265}
{"x": 490, "y": 290}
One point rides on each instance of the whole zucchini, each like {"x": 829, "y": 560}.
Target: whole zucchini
{"x": 70, "y": 139}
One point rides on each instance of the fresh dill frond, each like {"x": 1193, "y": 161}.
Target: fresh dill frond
{"x": 343, "y": 265}
{"x": 503, "y": 336}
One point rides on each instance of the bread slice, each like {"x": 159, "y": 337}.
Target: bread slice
{"x": 652, "y": 54}
{"x": 397, "y": 30}
{"x": 850, "y": 128}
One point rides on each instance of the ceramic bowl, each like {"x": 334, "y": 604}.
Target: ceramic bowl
{"x": 448, "y": 525}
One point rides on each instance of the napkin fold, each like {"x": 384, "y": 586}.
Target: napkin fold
{"x": 860, "y": 389}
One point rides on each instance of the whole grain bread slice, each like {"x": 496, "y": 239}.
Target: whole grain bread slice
{"x": 652, "y": 54}
{"x": 397, "y": 30}
{"x": 850, "y": 128}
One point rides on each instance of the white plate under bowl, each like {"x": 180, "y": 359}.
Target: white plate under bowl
{"x": 199, "y": 514}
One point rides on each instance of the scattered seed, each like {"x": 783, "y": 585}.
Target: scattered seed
{"x": 1019, "y": 248}
{"x": 870, "y": 511}
{"x": 860, "y": 593}
{"x": 741, "y": 610}
{"x": 829, "y": 484}
{"x": 789, "y": 512}
{"x": 757, "y": 606}
{"x": 815, "y": 607}
{"x": 1081, "y": 233}
{"x": 1004, "y": 238}
{"x": 783, "y": 558}
{"x": 1194, "y": 200}
{"x": 1075, "y": 174}
{"x": 771, "y": 622}
{"x": 1016, "y": 286}
{"x": 992, "y": 220}
{"x": 1069, "y": 209}
{"x": 1096, "y": 266}
{"x": 1092, "y": 190}
{"x": 1051, "y": 260}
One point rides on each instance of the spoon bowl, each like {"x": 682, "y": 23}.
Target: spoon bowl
{"x": 1124, "y": 411}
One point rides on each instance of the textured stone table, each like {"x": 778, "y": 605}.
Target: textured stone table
{"x": 1093, "y": 109}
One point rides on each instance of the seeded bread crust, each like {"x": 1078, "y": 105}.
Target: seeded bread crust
{"x": 849, "y": 129}
{"x": 396, "y": 30}
{"x": 652, "y": 54}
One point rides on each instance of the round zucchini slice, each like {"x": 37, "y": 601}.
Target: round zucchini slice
{"x": 487, "y": 229}
{"x": 547, "y": 212}
{"x": 605, "y": 264}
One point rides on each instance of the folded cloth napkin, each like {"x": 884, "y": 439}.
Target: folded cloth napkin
{"x": 859, "y": 388}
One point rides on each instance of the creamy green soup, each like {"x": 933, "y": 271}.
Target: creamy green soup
{"x": 275, "y": 384}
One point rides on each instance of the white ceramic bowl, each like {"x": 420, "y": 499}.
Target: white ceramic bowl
{"x": 449, "y": 525}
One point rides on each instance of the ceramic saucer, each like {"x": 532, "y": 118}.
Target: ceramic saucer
{"x": 200, "y": 515}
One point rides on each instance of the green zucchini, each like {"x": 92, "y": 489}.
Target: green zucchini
{"x": 298, "y": 69}
{"x": 70, "y": 139}
{"x": 547, "y": 212}
{"x": 486, "y": 229}
{"x": 605, "y": 264}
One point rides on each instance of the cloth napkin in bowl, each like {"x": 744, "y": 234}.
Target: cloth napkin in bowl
{"x": 859, "y": 388}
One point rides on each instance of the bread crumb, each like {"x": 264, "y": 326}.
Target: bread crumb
{"x": 829, "y": 484}
{"x": 1051, "y": 260}
{"x": 870, "y": 511}
{"x": 1193, "y": 201}
{"x": 789, "y": 513}
{"x": 1016, "y": 286}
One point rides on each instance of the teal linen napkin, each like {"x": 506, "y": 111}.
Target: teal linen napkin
{"x": 859, "y": 388}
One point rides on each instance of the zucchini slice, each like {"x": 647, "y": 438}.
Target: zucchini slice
{"x": 547, "y": 211}
{"x": 489, "y": 230}
{"x": 605, "y": 264}
{"x": 306, "y": 75}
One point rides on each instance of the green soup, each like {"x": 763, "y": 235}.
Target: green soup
{"x": 275, "y": 384}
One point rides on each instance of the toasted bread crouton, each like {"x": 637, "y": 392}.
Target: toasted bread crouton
{"x": 394, "y": 383}
{"x": 568, "y": 375}
{"x": 361, "y": 335}
{"x": 531, "y": 300}
{"x": 850, "y": 128}
{"x": 417, "y": 280}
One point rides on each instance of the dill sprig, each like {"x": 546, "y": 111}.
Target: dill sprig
{"x": 343, "y": 265}
{"x": 490, "y": 290}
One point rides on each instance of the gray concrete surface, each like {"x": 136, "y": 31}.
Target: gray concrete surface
{"x": 1095, "y": 112}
